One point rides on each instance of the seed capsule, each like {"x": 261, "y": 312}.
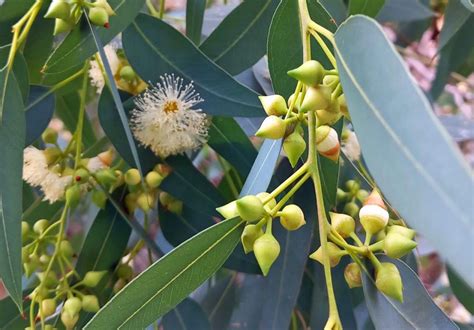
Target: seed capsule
{"x": 396, "y": 245}
{"x": 266, "y": 249}
{"x": 316, "y": 98}
{"x": 342, "y": 223}
{"x": 250, "y": 208}
{"x": 352, "y": 275}
{"x": 333, "y": 251}
{"x": 292, "y": 217}
{"x": 273, "y": 127}
{"x": 294, "y": 146}
{"x": 250, "y": 234}
{"x": 327, "y": 142}
{"x": 310, "y": 73}
{"x": 389, "y": 281}
{"x": 274, "y": 105}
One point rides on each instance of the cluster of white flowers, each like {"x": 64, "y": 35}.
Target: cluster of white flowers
{"x": 96, "y": 73}
{"x": 165, "y": 121}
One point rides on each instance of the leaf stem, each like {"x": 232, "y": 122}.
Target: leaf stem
{"x": 80, "y": 119}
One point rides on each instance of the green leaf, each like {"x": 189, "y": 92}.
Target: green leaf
{"x": 240, "y": 40}
{"x": 20, "y": 70}
{"x": 220, "y": 301}
{"x": 79, "y": 44}
{"x": 418, "y": 310}
{"x": 188, "y": 315}
{"x": 12, "y": 135}
{"x": 410, "y": 156}
{"x": 13, "y": 8}
{"x": 461, "y": 290}
{"x": 155, "y": 48}
{"x": 11, "y": 316}
{"x": 194, "y": 18}
{"x": 336, "y": 8}
{"x": 468, "y": 4}
{"x": 366, "y": 7}
{"x": 455, "y": 17}
{"x": 39, "y": 115}
{"x": 228, "y": 139}
{"x": 404, "y": 11}
{"x": 168, "y": 281}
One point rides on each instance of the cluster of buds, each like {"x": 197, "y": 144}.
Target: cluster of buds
{"x": 68, "y": 12}
{"x": 259, "y": 211}
{"x": 351, "y": 195}
{"x": 391, "y": 238}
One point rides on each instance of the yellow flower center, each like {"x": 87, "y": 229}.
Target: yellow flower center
{"x": 170, "y": 106}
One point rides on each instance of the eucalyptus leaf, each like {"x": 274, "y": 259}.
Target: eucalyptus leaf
{"x": 39, "y": 115}
{"x": 154, "y": 48}
{"x": 188, "y": 315}
{"x": 336, "y": 8}
{"x": 404, "y": 11}
{"x": 194, "y": 18}
{"x": 220, "y": 300}
{"x": 461, "y": 290}
{"x": 426, "y": 185}
{"x": 366, "y": 7}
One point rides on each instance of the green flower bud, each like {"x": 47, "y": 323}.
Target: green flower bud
{"x": 48, "y": 307}
{"x": 106, "y": 177}
{"x": 362, "y": 195}
{"x": 266, "y": 249}
{"x": 104, "y": 4}
{"x": 334, "y": 252}
{"x": 274, "y": 105}
{"x": 352, "y": 209}
{"x": 389, "y": 281}
{"x": 352, "y": 275}
{"x": 49, "y": 136}
{"x": 127, "y": 73}
{"x": 401, "y": 230}
{"x": 90, "y": 303}
{"x": 99, "y": 198}
{"x": 69, "y": 320}
{"x": 396, "y": 245}
{"x": 292, "y": 217}
{"x": 327, "y": 142}
{"x": 297, "y": 105}
{"x": 39, "y": 293}
{"x": 316, "y": 98}
{"x": 229, "y": 210}
{"x": 330, "y": 80}
{"x": 81, "y": 175}
{"x": 170, "y": 203}
{"x": 59, "y": 9}
{"x": 49, "y": 280}
{"x": 250, "y": 208}
{"x": 132, "y": 177}
{"x": 342, "y": 223}
{"x": 61, "y": 26}
{"x": 146, "y": 201}
{"x": 92, "y": 278}
{"x": 343, "y": 106}
{"x": 153, "y": 179}
{"x": 250, "y": 234}
{"x": 25, "y": 230}
{"x": 40, "y": 226}
{"x": 352, "y": 186}
{"x": 294, "y": 146}
{"x": 310, "y": 73}
{"x": 125, "y": 272}
{"x": 98, "y": 16}
{"x": 273, "y": 127}
{"x": 341, "y": 196}
{"x": 263, "y": 196}
{"x": 52, "y": 155}
{"x": 131, "y": 202}
{"x": 334, "y": 107}
{"x": 73, "y": 196}
{"x": 65, "y": 249}
{"x": 326, "y": 117}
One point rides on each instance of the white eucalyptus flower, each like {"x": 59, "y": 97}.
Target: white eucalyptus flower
{"x": 165, "y": 121}
{"x": 54, "y": 186}
{"x": 35, "y": 166}
{"x": 351, "y": 147}
{"x": 96, "y": 73}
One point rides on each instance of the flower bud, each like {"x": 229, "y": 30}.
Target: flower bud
{"x": 316, "y": 98}
{"x": 250, "y": 208}
{"x": 352, "y": 186}
{"x": 263, "y": 196}
{"x": 334, "y": 107}
{"x": 90, "y": 303}
{"x": 72, "y": 305}
{"x": 52, "y": 155}
{"x": 125, "y": 272}
{"x": 81, "y": 175}
{"x": 343, "y": 106}
{"x": 352, "y": 209}
{"x": 352, "y": 275}
{"x": 131, "y": 202}
{"x": 273, "y": 127}
{"x": 106, "y": 177}
{"x": 73, "y": 196}
{"x": 250, "y": 234}
{"x": 49, "y": 136}
{"x": 39, "y": 293}
{"x": 49, "y": 279}
{"x": 40, "y": 226}
{"x": 59, "y": 9}
{"x": 104, "y": 4}
{"x": 170, "y": 203}
{"x": 25, "y": 230}
{"x": 292, "y": 217}
{"x": 404, "y": 231}
{"x": 396, "y": 245}
{"x": 99, "y": 198}
{"x": 310, "y": 73}
{"x": 342, "y": 223}
{"x": 373, "y": 218}
{"x": 92, "y": 278}
{"x": 333, "y": 251}
{"x": 274, "y": 105}
{"x": 327, "y": 142}
{"x": 48, "y": 307}
{"x": 65, "y": 249}
{"x": 297, "y": 105}
{"x": 362, "y": 195}
{"x": 266, "y": 249}
{"x": 132, "y": 177}
{"x": 146, "y": 201}
{"x": 294, "y": 146}
{"x": 389, "y": 281}
{"x": 229, "y": 210}
{"x": 99, "y": 16}
{"x": 61, "y": 26}
{"x": 330, "y": 80}
{"x": 69, "y": 320}
{"x": 326, "y": 117}
{"x": 127, "y": 73}
{"x": 153, "y": 179}
{"x": 341, "y": 196}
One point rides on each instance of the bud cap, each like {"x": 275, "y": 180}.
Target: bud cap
{"x": 310, "y": 73}
{"x": 274, "y": 105}
{"x": 266, "y": 249}
{"x": 373, "y": 218}
{"x": 294, "y": 147}
{"x": 92, "y": 278}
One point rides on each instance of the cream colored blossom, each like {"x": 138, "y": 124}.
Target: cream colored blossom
{"x": 54, "y": 186}
{"x": 165, "y": 121}
{"x": 351, "y": 147}
{"x": 96, "y": 68}
{"x": 35, "y": 167}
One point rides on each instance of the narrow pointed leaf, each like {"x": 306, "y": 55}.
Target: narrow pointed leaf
{"x": 194, "y": 18}
{"x": 188, "y": 315}
{"x": 39, "y": 115}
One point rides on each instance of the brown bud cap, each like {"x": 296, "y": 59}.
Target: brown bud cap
{"x": 389, "y": 281}
{"x": 352, "y": 275}
{"x": 107, "y": 157}
{"x": 375, "y": 199}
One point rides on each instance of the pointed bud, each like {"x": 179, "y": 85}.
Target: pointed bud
{"x": 292, "y": 217}
{"x": 106, "y": 177}
{"x": 146, "y": 201}
{"x": 266, "y": 249}
{"x": 250, "y": 234}
{"x": 92, "y": 278}
{"x": 99, "y": 198}
{"x": 250, "y": 208}
{"x": 273, "y": 127}
{"x": 39, "y": 293}
{"x": 342, "y": 223}
{"x": 153, "y": 179}
{"x": 125, "y": 272}
{"x": 73, "y": 196}
{"x": 343, "y": 106}
{"x": 90, "y": 303}
{"x": 104, "y": 4}
{"x": 294, "y": 147}
{"x": 72, "y": 305}
{"x": 99, "y": 16}
{"x": 81, "y": 175}
{"x": 263, "y": 196}
{"x": 127, "y": 73}
{"x": 327, "y": 142}
{"x": 326, "y": 117}
{"x": 132, "y": 177}
{"x": 52, "y": 155}
{"x": 274, "y": 105}
{"x": 25, "y": 230}
{"x": 40, "y": 226}
{"x": 316, "y": 98}
{"x": 333, "y": 251}
{"x": 352, "y": 275}
{"x": 310, "y": 73}
{"x": 48, "y": 308}
{"x": 59, "y": 9}
{"x": 396, "y": 245}
{"x": 373, "y": 218}
{"x": 404, "y": 231}
{"x": 341, "y": 196}
{"x": 61, "y": 26}
{"x": 352, "y": 209}
{"x": 229, "y": 210}
{"x": 49, "y": 136}
{"x": 389, "y": 281}
{"x": 69, "y": 320}
{"x": 106, "y": 157}
{"x": 65, "y": 249}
